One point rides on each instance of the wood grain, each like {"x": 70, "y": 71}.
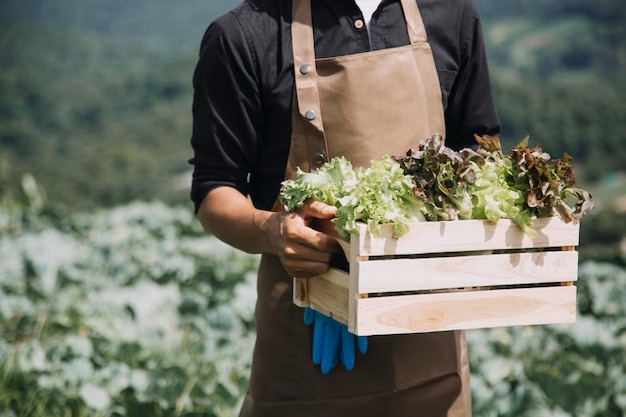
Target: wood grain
{"x": 465, "y": 310}
{"x": 465, "y": 271}
{"x": 465, "y": 235}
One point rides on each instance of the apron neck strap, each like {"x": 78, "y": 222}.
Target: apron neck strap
{"x": 306, "y": 90}
{"x": 414, "y": 22}
{"x": 302, "y": 33}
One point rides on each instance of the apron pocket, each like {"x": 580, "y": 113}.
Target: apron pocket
{"x": 368, "y": 376}
{"x": 419, "y": 358}
{"x": 391, "y": 363}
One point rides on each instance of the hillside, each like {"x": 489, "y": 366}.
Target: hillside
{"x": 558, "y": 71}
{"x": 534, "y": 38}
{"x": 154, "y": 23}
{"x": 96, "y": 96}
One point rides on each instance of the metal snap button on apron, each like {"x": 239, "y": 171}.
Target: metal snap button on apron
{"x": 310, "y": 114}
{"x": 359, "y": 24}
{"x": 304, "y": 69}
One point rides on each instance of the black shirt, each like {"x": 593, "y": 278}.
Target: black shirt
{"x": 243, "y": 83}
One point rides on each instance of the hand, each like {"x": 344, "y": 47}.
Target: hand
{"x": 304, "y": 252}
{"x": 332, "y": 342}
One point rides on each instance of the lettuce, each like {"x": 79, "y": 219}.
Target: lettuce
{"x": 327, "y": 184}
{"x": 548, "y": 185}
{"x": 495, "y": 195}
{"x": 485, "y": 184}
{"x": 494, "y": 198}
{"x": 379, "y": 194}
{"x": 382, "y": 194}
{"x": 442, "y": 179}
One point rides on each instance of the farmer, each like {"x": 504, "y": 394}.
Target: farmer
{"x": 282, "y": 84}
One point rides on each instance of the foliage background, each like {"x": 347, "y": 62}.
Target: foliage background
{"x": 114, "y": 302}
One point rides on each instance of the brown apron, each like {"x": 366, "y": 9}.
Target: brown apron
{"x": 361, "y": 106}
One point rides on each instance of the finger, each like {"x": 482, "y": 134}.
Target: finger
{"x": 309, "y": 316}
{"x": 317, "y": 209}
{"x": 347, "y": 348}
{"x": 303, "y": 252}
{"x": 319, "y": 332}
{"x": 296, "y": 227}
{"x": 305, "y": 269}
{"x": 362, "y": 343}
{"x": 331, "y": 346}
{"x": 304, "y": 235}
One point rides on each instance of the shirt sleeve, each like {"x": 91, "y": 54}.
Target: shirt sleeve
{"x": 227, "y": 114}
{"x": 471, "y": 109}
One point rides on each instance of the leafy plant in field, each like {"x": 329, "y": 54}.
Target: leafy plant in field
{"x": 553, "y": 371}
{"x": 125, "y": 312}
{"x": 135, "y": 311}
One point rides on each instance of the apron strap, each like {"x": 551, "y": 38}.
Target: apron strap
{"x": 307, "y": 94}
{"x": 414, "y": 22}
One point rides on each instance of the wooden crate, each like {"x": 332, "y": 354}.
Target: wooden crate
{"x": 450, "y": 276}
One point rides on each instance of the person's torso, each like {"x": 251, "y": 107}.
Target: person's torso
{"x": 337, "y": 32}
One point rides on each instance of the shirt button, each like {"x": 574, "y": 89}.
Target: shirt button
{"x": 319, "y": 158}
{"x": 359, "y": 24}
{"x": 310, "y": 114}
{"x": 304, "y": 69}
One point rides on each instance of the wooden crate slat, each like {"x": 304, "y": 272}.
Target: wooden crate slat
{"x": 465, "y": 310}
{"x": 329, "y": 294}
{"x": 465, "y": 271}
{"x": 465, "y": 235}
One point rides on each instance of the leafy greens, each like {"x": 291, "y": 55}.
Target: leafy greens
{"x": 436, "y": 183}
{"x": 379, "y": 194}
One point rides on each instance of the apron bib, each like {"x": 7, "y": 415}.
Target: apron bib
{"x": 359, "y": 106}
{"x": 364, "y": 105}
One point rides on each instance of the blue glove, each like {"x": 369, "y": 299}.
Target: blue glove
{"x": 332, "y": 342}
